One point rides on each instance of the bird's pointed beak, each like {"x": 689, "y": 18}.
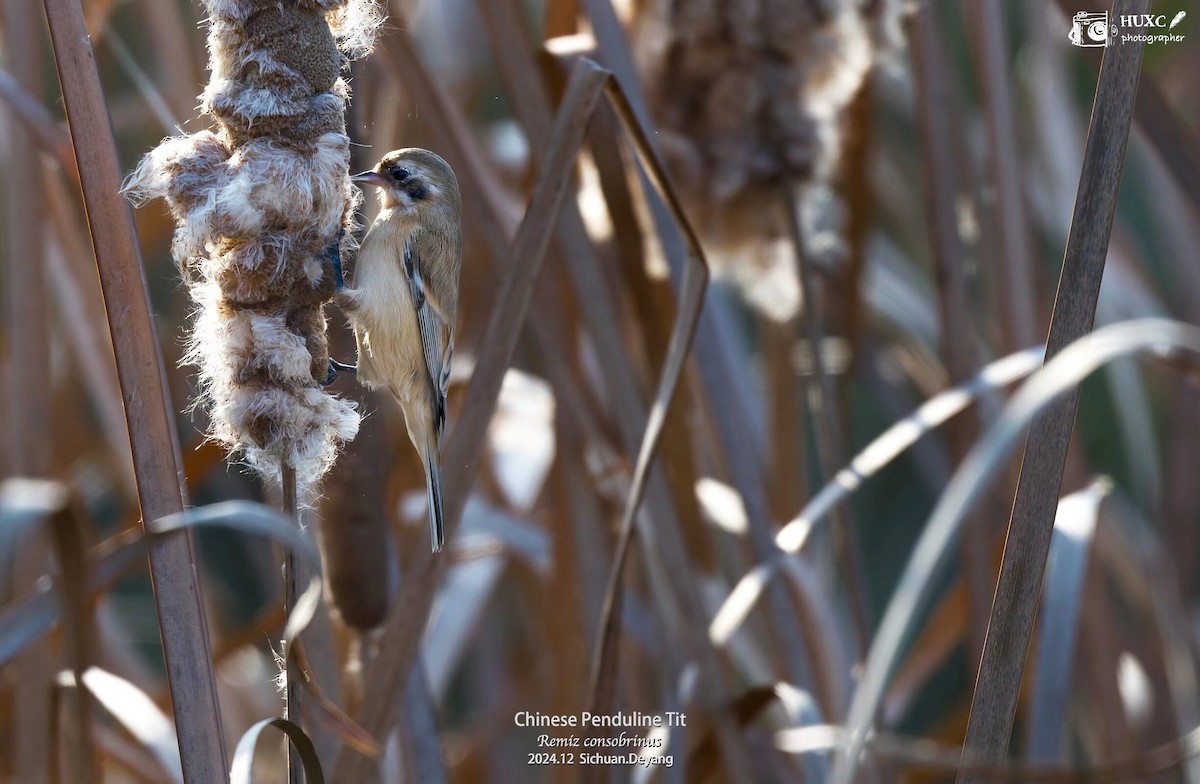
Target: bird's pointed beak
{"x": 368, "y": 178}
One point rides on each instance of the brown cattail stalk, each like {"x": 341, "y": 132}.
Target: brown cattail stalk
{"x": 186, "y": 649}
{"x": 264, "y": 204}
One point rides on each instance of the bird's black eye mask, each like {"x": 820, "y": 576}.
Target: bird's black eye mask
{"x": 411, "y": 184}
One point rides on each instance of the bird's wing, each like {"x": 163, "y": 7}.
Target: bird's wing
{"x": 437, "y": 337}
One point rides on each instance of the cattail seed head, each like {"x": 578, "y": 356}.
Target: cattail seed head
{"x": 748, "y": 97}
{"x": 258, "y": 199}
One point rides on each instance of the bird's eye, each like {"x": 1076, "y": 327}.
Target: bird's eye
{"x": 400, "y": 174}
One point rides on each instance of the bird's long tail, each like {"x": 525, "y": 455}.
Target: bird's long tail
{"x": 433, "y": 483}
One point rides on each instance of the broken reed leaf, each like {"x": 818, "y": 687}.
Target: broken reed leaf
{"x": 401, "y": 634}
{"x": 885, "y": 448}
{"x": 242, "y": 771}
{"x": 1010, "y": 625}
{"x": 1063, "y": 597}
{"x": 520, "y": 70}
{"x": 1160, "y": 338}
{"x": 690, "y": 302}
{"x": 149, "y": 418}
{"x": 723, "y": 376}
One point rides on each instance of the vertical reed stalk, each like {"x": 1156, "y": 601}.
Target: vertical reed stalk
{"x": 1018, "y": 312}
{"x": 181, "y": 615}
{"x": 27, "y": 397}
{"x": 291, "y": 592}
{"x": 938, "y": 113}
{"x": 995, "y": 702}
{"x": 823, "y": 403}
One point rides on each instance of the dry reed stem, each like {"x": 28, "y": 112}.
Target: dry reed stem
{"x": 1173, "y": 140}
{"x": 1018, "y": 306}
{"x": 151, "y": 428}
{"x": 1009, "y": 629}
{"x": 69, "y": 532}
{"x": 823, "y": 402}
{"x": 29, "y": 433}
{"x": 81, "y": 314}
{"x": 401, "y": 634}
{"x": 292, "y": 709}
{"x": 939, "y": 110}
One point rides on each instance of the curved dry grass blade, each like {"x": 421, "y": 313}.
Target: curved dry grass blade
{"x": 186, "y": 646}
{"x": 402, "y": 632}
{"x": 1027, "y": 546}
{"x": 1059, "y": 377}
{"x": 917, "y": 755}
{"x": 138, "y": 714}
{"x": 253, "y": 518}
{"x": 892, "y": 443}
{"x": 1070, "y": 551}
{"x": 242, "y": 771}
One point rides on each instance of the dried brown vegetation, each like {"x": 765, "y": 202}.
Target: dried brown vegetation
{"x": 774, "y": 497}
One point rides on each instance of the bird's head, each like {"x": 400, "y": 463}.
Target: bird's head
{"x": 413, "y": 180}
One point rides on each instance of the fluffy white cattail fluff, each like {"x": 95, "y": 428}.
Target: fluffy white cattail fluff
{"x": 258, "y": 200}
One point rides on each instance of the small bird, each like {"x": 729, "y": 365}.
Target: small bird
{"x": 405, "y": 296}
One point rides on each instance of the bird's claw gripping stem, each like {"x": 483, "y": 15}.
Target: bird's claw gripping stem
{"x": 333, "y": 252}
{"x": 336, "y": 367}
